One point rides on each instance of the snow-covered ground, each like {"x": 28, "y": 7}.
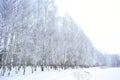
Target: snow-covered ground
{"x": 68, "y": 74}
{"x": 104, "y": 73}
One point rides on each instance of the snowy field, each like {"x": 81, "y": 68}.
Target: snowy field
{"x": 68, "y": 74}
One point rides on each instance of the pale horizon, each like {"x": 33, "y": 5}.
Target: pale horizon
{"x": 99, "y": 19}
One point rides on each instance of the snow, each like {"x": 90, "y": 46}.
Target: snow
{"x": 104, "y": 73}
{"x": 68, "y": 74}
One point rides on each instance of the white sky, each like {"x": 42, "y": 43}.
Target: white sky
{"x": 100, "y": 20}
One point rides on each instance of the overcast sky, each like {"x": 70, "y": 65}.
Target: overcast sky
{"x": 99, "y": 19}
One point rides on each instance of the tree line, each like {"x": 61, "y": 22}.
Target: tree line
{"x": 33, "y": 34}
